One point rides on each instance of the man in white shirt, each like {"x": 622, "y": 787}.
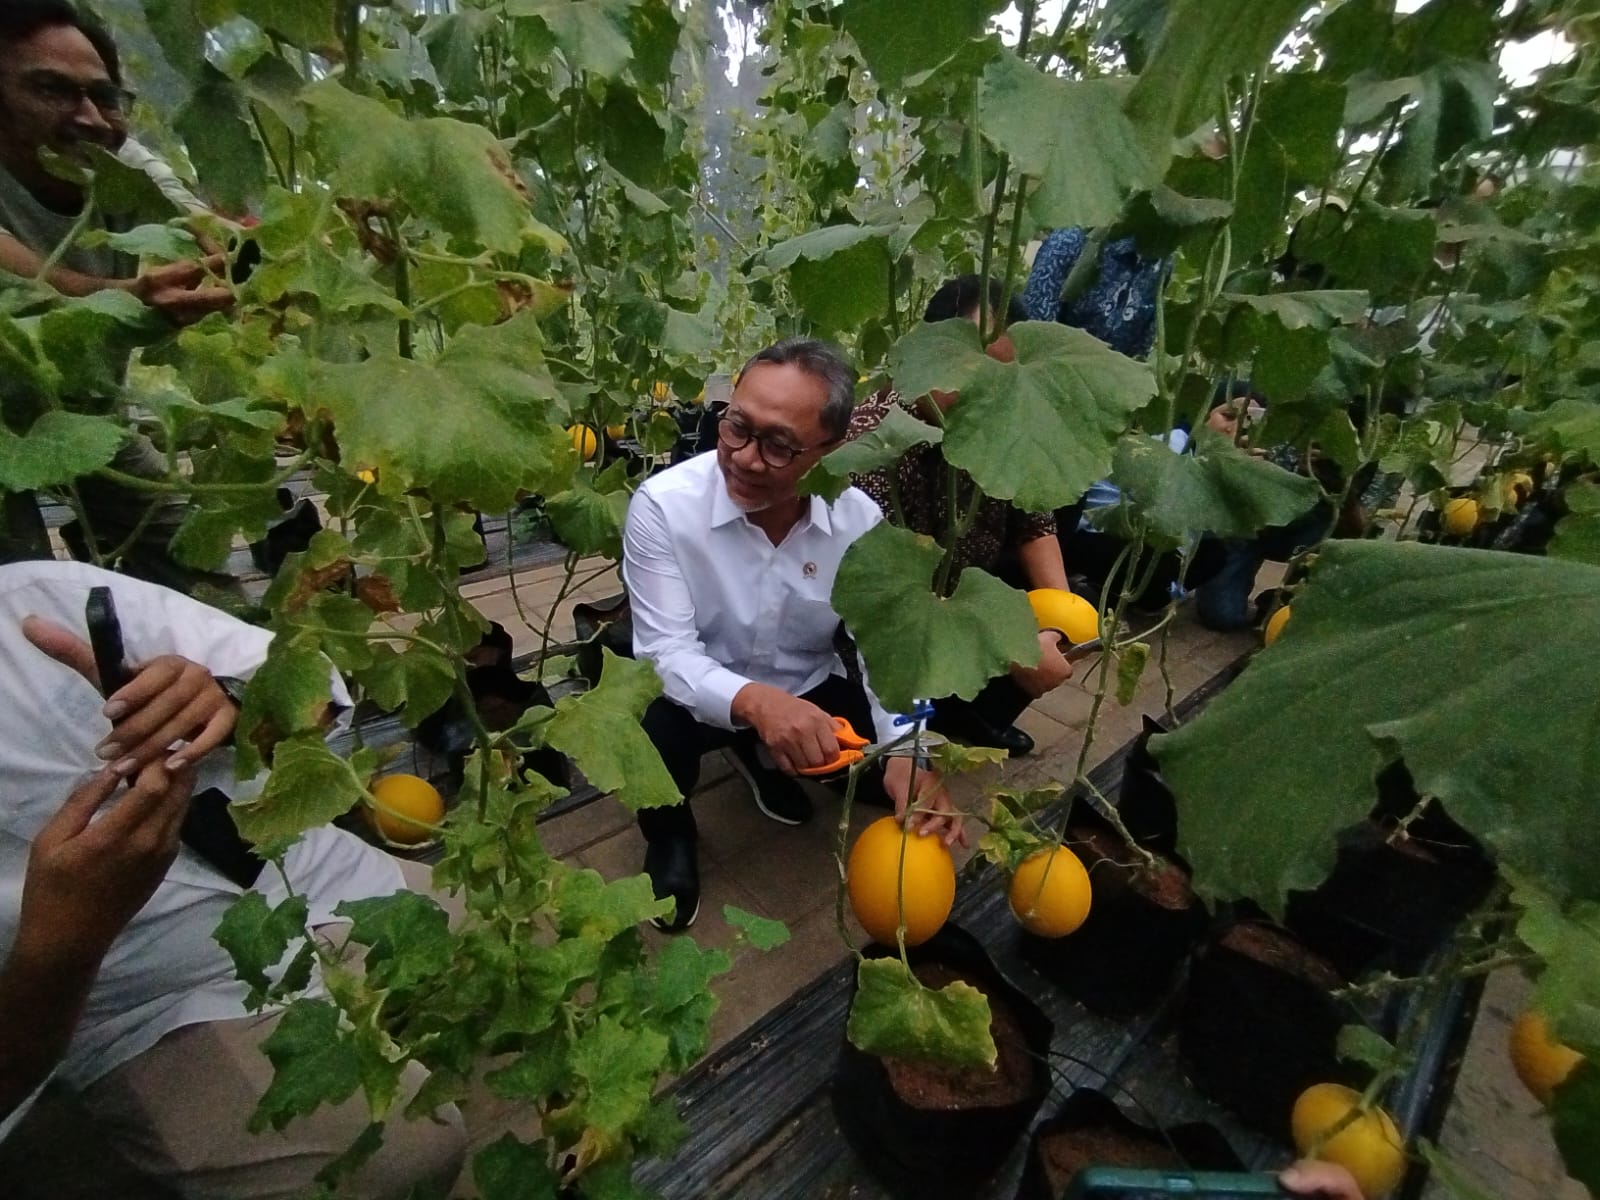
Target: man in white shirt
{"x": 730, "y": 575}
{"x": 164, "y": 1052}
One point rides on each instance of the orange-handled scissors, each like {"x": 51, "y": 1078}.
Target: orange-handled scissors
{"x": 853, "y": 747}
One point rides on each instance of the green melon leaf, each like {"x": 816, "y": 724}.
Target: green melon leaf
{"x": 1359, "y": 678}
{"x": 894, "y": 1016}
{"x": 879, "y": 447}
{"x": 56, "y": 449}
{"x": 1568, "y": 942}
{"x": 1038, "y": 430}
{"x": 1576, "y": 1115}
{"x": 1217, "y": 489}
{"x": 592, "y": 34}
{"x": 600, "y": 731}
{"x": 917, "y": 643}
{"x": 477, "y": 425}
{"x": 1202, "y": 45}
{"x": 1578, "y": 533}
{"x": 452, "y": 174}
{"x": 1071, "y": 136}
{"x": 309, "y": 786}
{"x": 761, "y": 932}
{"x": 314, "y": 1060}
{"x": 896, "y": 48}
{"x": 257, "y": 936}
{"x": 839, "y": 274}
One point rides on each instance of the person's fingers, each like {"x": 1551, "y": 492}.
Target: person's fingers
{"x": 782, "y": 760}
{"x": 80, "y": 806}
{"x": 194, "y": 716}
{"x": 62, "y": 645}
{"x": 156, "y": 695}
{"x": 214, "y": 734}
{"x": 149, "y": 681}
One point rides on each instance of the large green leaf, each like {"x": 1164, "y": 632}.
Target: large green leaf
{"x": 1071, "y": 136}
{"x": 600, "y": 731}
{"x": 1217, "y": 489}
{"x": 895, "y": 1016}
{"x": 916, "y": 643}
{"x": 839, "y": 274}
{"x": 1201, "y": 46}
{"x": 1578, "y": 533}
{"x": 1568, "y": 942}
{"x": 476, "y": 425}
{"x": 57, "y": 448}
{"x": 592, "y": 34}
{"x": 1576, "y": 1116}
{"x": 216, "y": 128}
{"x": 896, "y": 47}
{"x": 454, "y": 175}
{"x": 881, "y": 446}
{"x": 314, "y": 1062}
{"x": 1459, "y": 661}
{"x": 256, "y": 937}
{"x": 1038, "y": 430}
{"x": 309, "y": 786}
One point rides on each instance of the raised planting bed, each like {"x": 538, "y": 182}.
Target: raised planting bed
{"x": 763, "y": 1112}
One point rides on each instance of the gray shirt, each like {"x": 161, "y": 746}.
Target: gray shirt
{"x": 42, "y": 229}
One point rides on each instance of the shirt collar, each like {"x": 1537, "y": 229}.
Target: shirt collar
{"x": 725, "y": 512}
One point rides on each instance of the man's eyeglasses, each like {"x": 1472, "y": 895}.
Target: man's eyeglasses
{"x": 66, "y": 94}
{"x": 736, "y": 433}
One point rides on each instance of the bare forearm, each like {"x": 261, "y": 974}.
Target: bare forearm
{"x": 40, "y": 1003}
{"x": 1042, "y": 563}
{"x": 17, "y": 259}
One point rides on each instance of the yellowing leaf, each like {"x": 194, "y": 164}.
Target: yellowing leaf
{"x": 895, "y": 1016}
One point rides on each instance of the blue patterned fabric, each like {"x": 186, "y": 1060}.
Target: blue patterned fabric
{"x": 1118, "y": 306}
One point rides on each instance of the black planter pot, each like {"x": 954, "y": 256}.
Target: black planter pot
{"x": 1255, "y": 1034}
{"x": 1145, "y": 802}
{"x": 1383, "y": 905}
{"x": 934, "y": 1154}
{"x": 1199, "y": 1146}
{"x": 1123, "y": 958}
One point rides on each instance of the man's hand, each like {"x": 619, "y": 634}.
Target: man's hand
{"x": 934, "y": 813}
{"x": 1323, "y": 1181}
{"x": 177, "y": 291}
{"x": 170, "y": 699}
{"x": 1053, "y": 669}
{"x": 795, "y": 732}
{"x": 87, "y": 878}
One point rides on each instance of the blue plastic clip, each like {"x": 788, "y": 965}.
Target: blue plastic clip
{"x": 922, "y": 710}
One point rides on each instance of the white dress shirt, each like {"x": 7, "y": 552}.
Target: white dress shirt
{"x": 717, "y": 606}
{"x": 164, "y": 971}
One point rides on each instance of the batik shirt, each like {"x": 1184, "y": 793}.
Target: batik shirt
{"x": 1118, "y": 306}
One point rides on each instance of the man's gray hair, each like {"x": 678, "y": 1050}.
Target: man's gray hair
{"x": 824, "y": 361}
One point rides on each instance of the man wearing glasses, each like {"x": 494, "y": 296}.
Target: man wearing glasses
{"x": 60, "y": 91}
{"x": 730, "y": 573}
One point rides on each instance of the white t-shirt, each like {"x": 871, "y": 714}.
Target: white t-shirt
{"x": 165, "y": 971}
{"x": 716, "y": 605}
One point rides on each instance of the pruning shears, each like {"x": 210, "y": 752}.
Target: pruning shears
{"x": 853, "y": 748}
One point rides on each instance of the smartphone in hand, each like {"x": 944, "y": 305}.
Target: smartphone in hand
{"x": 1116, "y": 1183}
{"x": 105, "y": 638}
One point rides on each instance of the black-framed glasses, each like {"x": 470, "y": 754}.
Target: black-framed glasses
{"x": 67, "y": 94}
{"x": 736, "y": 433}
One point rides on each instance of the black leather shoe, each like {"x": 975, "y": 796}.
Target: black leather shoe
{"x": 776, "y": 794}
{"x": 673, "y": 871}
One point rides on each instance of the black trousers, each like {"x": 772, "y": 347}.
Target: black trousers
{"x": 682, "y": 741}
